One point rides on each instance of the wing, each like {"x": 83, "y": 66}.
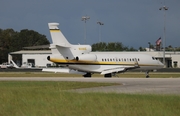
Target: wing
{"x": 121, "y": 69}
{"x": 115, "y": 70}
{"x": 62, "y": 70}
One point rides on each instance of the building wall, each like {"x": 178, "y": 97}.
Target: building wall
{"x": 40, "y": 59}
{"x": 175, "y": 61}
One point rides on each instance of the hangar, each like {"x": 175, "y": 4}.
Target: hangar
{"x": 37, "y": 55}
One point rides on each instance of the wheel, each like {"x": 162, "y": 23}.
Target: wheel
{"x": 87, "y": 75}
{"x": 147, "y": 74}
{"x": 109, "y": 75}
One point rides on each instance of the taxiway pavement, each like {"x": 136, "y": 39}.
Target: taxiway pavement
{"x": 126, "y": 85}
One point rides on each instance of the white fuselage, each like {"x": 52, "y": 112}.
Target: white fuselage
{"x": 106, "y": 61}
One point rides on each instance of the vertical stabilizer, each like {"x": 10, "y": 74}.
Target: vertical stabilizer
{"x": 57, "y": 36}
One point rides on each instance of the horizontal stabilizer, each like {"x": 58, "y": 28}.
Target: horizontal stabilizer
{"x": 59, "y": 45}
{"x": 62, "y": 70}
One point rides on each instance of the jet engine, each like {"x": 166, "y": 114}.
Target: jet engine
{"x": 86, "y": 57}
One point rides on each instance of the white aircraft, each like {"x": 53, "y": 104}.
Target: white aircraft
{"x": 24, "y": 65}
{"x": 80, "y": 59}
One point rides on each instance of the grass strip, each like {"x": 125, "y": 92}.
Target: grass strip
{"x": 50, "y": 99}
{"x": 127, "y": 75}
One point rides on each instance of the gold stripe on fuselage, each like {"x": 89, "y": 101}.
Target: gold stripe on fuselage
{"x": 74, "y": 62}
{"x": 62, "y": 61}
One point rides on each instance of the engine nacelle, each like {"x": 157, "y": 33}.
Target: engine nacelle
{"x": 86, "y": 57}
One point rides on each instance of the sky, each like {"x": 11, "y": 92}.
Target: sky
{"x": 132, "y": 22}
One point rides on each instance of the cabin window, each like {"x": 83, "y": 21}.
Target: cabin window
{"x": 110, "y": 59}
{"x": 138, "y": 59}
{"x": 119, "y": 59}
{"x": 102, "y": 59}
{"x": 130, "y": 59}
{"x": 124, "y": 59}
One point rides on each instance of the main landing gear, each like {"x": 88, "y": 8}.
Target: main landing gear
{"x": 109, "y": 75}
{"x": 87, "y": 75}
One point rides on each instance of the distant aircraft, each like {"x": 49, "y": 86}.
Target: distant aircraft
{"x": 80, "y": 59}
{"x": 24, "y": 66}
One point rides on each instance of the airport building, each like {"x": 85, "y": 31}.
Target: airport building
{"x": 38, "y": 56}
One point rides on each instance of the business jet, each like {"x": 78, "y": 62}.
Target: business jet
{"x": 80, "y": 59}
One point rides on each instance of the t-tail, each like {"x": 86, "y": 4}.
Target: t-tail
{"x": 61, "y": 49}
{"x": 56, "y": 35}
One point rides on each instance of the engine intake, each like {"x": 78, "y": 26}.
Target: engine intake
{"x": 86, "y": 57}
{"x": 48, "y": 58}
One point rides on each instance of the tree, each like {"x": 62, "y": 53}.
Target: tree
{"x": 142, "y": 49}
{"x": 99, "y": 46}
{"x": 11, "y": 40}
{"x": 112, "y": 46}
{"x": 31, "y": 38}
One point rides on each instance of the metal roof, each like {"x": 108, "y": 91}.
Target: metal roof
{"x": 32, "y": 52}
{"x": 37, "y": 47}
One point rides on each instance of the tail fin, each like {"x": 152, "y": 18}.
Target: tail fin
{"x": 61, "y": 48}
{"x": 57, "y": 36}
{"x": 14, "y": 64}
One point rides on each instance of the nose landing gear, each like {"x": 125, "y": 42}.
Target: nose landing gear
{"x": 147, "y": 74}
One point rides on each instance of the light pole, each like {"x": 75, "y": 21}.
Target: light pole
{"x": 149, "y": 45}
{"x": 100, "y": 24}
{"x": 85, "y": 18}
{"x": 164, "y": 40}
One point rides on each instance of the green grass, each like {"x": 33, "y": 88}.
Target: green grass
{"x": 52, "y": 99}
{"x": 127, "y": 74}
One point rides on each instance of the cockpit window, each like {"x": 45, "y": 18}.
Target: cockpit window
{"x": 153, "y": 58}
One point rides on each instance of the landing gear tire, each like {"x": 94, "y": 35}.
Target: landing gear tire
{"x": 147, "y": 74}
{"x": 109, "y": 75}
{"x": 87, "y": 75}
